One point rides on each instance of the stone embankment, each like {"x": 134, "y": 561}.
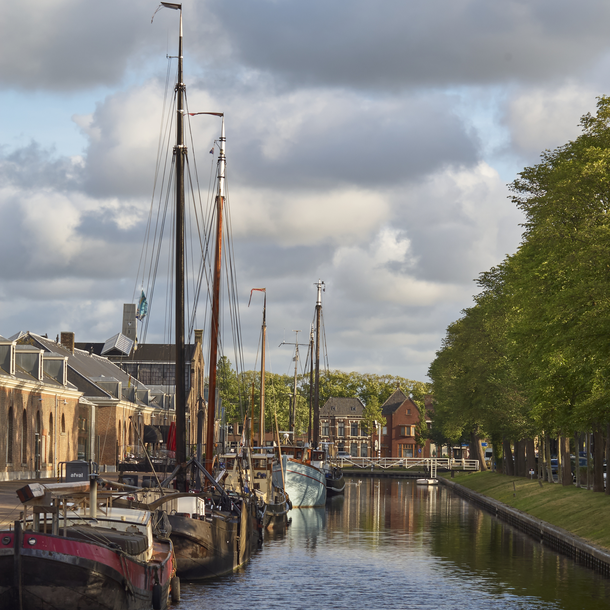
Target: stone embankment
{"x": 553, "y": 537}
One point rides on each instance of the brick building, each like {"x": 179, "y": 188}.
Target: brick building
{"x": 40, "y": 411}
{"x": 398, "y": 436}
{"x": 341, "y": 424}
{"x": 113, "y": 412}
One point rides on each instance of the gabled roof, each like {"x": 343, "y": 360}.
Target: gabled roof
{"x": 342, "y": 406}
{"x": 83, "y": 367}
{"x": 392, "y": 404}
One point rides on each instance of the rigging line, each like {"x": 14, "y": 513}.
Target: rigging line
{"x": 157, "y": 241}
{"x": 159, "y": 232}
{"x": 143, "y": 252}
{"x": 327, "y": 368}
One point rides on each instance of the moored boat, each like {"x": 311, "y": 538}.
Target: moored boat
{"x": 304, "y": 483}
{"x": 74, "y": 554}
{"x": 221, "y": 533}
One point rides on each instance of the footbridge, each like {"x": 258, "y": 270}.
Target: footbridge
{"x": 430, "y": 465}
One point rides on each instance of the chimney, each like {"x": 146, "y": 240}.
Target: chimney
{"x": 67, "y": 340}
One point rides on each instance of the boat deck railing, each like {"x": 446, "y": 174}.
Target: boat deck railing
{"x": 421, "y": 464}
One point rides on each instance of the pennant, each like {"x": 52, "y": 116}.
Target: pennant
{"x": 142, "y": 307}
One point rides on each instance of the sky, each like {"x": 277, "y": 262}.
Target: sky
{"x": 369, "y": 145}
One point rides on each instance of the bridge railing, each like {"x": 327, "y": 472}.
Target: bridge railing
{"x": 407, "y": 463}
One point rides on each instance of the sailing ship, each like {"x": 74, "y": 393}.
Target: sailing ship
{"x": 304, "y": 475}
{"x": 214, "y": 530}
{"x": 78, "y": 550}
{"x": 275, "y": 503}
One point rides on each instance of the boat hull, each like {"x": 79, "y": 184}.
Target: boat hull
{"x": 214, "y": 545}
{"x": 276, "y": 515}
{"x": 59, "y": 572}
{"x": 335, "y": 482}
{"x": 304, "y": 484}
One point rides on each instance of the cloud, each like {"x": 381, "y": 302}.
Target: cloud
{"x": 544, "y": 118}
{"x": 358, "y": 44}
{"x": 68, "y": 45}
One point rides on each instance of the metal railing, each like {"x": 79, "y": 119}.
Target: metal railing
{"x": 406, "y": 463}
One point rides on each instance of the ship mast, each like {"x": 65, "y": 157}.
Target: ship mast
{"x": 316, "y": 404}
{"x": 261, "y": 436}
{"x": 220, "y": 196}
{"x": 180, "y": 152}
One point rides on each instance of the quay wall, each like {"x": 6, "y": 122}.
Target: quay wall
{"x": 553, "y": 537}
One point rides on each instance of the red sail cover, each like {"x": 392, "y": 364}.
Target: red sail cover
{"x": 171, "y": 437}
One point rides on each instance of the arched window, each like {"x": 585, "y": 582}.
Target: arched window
{"x": 10, "y": 437}
{"x": 24, "y": 438}
{"x": 63, "y": 423}
{"x": 51, "y": 433}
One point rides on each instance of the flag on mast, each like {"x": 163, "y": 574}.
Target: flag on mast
{"x": 142, "y": 307}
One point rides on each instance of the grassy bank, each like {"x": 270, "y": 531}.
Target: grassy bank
{"x": 579, "y": 511}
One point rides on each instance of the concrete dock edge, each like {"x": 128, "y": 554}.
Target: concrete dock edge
{"x": 555, "y": 538}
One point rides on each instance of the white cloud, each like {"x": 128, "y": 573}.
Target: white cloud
{"x": 544, "y": 118}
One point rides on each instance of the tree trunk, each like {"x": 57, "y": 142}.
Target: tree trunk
{"x": 588, "y": 453}
{"x": 547, "y": 454}
{"x": 598, "y": 461}
{"x": 577, "y": 459}
{"x": 476, "y": 450}
{"x": 530, "y": 456}
{"x": 566, "y": 469}
{"x": 520, "y": 463}
{"x": 509, "y": 466}
{"x": 607, "y": 457}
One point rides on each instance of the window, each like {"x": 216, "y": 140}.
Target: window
{"x": 384, "y": 431}
{"x": 51, "y": 431}
{"x": 408, "y": 411}
{"x": 10, "y": 437}
{"x": 24, "y": 438}
{"x": 325, "y": 428}
{"x": 354, "y": 428}
{"x": 354, "y": 450}
{"x": 363, "y": 450}
{"x": 353, "y": 408}
{"x": 405, "y": 451}
{"x": 63, "y": 423}
{"x": 341, "y": 429}
{"x": 406, "y": 430}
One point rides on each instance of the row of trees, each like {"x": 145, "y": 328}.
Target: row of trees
{"x": 530, "y": 360}
{"x": 239, "y": 393}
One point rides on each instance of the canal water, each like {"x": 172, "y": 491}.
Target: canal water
{"x": 391, "y": 544}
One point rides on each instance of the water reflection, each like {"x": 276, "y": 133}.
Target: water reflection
{"x": 392, "y": 544}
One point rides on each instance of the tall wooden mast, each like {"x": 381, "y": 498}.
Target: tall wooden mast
{"x": 220, "y": 196}
{"x": 316, "y": 404}
{"x": 261, "y": 435}
{"x": 179, "y": 158}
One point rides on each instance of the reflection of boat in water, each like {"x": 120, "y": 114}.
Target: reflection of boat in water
{"x": 307, "y": 522}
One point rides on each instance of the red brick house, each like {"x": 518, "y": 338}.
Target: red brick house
{"x": 398, "y": 436}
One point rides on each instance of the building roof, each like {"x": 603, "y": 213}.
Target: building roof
{"x": 143, "y": 352}
{"x": 392, "y": 404}
{"x": 342, "y": 406}
{"x": 84, "y": 368}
